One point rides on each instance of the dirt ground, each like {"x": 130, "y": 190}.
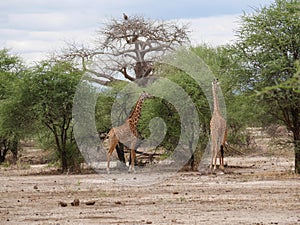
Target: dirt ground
{"x": 253, "y": 190}
{"x": 257, "y": 189}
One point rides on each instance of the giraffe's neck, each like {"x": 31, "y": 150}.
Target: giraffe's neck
{"x": 215, "y": 98}
{"x": 136, "y": 113}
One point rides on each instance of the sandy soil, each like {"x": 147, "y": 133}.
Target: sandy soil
{"x": 253, "y": 190}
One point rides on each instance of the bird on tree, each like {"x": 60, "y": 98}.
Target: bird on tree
{"x": 125, "y": 16}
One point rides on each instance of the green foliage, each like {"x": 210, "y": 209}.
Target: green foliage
{"x": 11, "y": 70}
{"x": 46, "y": 97}
{"x": 50, "y": 88}
{"x": 159, "y": 108}
{"x": 102, "y": 112}
{"x": 238, "y": 107}
{"x": 268, "y": 49}
{"x": 174, "y": 125}
{"x": 154, "y": 109}
{"x": 105, "y": 99}
{"x": 268, "y": 41}
{"x": 9, "y": 63}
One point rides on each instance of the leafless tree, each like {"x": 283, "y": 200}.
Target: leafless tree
{"x": 127, "y": 48}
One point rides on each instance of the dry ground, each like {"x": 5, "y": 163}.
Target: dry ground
{"x": 259, "y": 189}
{"x": 256, "y": 190}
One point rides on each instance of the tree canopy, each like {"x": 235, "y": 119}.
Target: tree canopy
{"x": 268, "y": 48}
{"x": 127, "y": 49}
{"x": 11, "y": 70}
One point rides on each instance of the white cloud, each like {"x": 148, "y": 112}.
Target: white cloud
{"x": 58, "y": 21}
{"x": 214, "y": 31}
{"x": 32, "y": 28}
{"x": 32, "y": 44}
{"x": 36, "y": 45}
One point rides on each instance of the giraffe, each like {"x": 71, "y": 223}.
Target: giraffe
{"x": 127, "y": 133}
{"x": 218, "y": 130}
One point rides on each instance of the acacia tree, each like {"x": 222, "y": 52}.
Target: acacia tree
{"x": 11, "y": 70}
{"x": 47, "y": 95}
{"x": 269, "y": 48}
{"x": 127, "y": 48}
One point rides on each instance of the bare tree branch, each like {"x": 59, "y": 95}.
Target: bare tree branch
{"x": 132, "y": 44}
{"x": 126, "y": 75}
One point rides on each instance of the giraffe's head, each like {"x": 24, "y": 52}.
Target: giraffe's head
{"x": 215, "y": 82}
{"x": 145, "y": 95}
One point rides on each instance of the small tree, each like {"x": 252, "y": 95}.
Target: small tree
{"x": 269, "y": 48}
{"x": 11, "y": 70}
{"x": 48, "y": 92}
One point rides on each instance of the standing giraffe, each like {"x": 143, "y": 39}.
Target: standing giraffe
{"x": 218, "y": 130}
{"x": 127, "y": 133}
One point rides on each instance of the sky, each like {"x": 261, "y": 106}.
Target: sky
{"x": 33, "y": 29}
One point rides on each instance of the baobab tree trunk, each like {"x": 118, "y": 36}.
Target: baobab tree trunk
{"x": 142, "y": 69}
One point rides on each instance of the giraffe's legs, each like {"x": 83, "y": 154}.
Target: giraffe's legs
{"x": 131, "y": 167}
{"x": 214, "y": 155}
{"x": 215, "y": 161}
{"x": 222, "y": 157}
{"x": 222, "y": 148}
{"x": 113, "y": 144}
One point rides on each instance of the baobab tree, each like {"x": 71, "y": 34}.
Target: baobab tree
{"x": 127, "y": 48}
